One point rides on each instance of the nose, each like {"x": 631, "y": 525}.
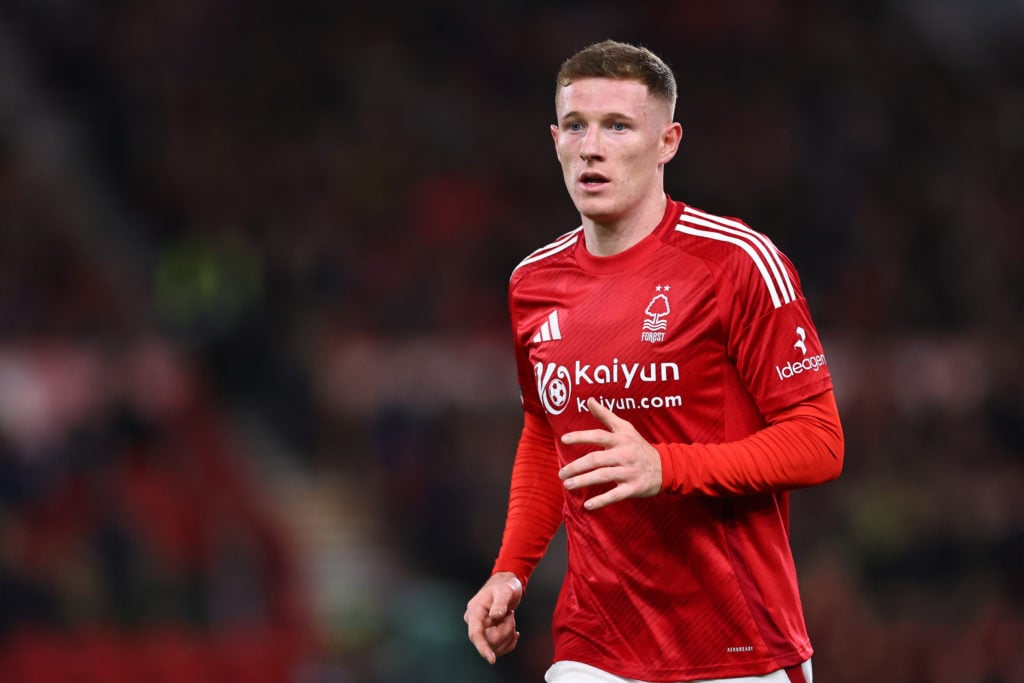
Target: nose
{"x": 590, "y": 145}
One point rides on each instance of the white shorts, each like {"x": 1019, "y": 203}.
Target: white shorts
{"x": 576, "y": 672}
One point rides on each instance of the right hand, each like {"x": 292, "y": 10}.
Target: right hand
{"x": 490, "y": 616}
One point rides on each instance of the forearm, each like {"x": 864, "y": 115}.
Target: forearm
{"x": 535, "y": 501}
{"x": 802, "y": 446}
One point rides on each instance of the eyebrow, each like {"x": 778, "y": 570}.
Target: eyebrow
{"x": 608, "y": 115}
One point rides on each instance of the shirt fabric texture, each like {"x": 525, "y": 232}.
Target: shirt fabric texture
{"x": 694, "y": 335}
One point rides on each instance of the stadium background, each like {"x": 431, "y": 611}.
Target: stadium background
{"x": 257, "y": 405}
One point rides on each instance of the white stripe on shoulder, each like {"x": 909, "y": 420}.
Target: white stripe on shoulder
{"x": 755, "y": 249}
{"x": 764, "y": 245}
{"x": 561, "y": 244}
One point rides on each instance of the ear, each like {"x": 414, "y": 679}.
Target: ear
{"x": 554, "y": 136}
{"x": 670, "y": 139}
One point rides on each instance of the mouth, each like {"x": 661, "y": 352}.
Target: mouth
{"x": 593, "y": 181}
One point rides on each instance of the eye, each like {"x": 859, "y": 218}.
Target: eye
{"x": 574, "y": 126}
{"x": 619, "y": 126}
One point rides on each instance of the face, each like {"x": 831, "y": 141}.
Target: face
{"x": 613, "y": 140}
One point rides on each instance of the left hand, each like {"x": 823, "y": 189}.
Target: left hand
{"x": 491, "y": 617}
{"x": 626, "y": 459}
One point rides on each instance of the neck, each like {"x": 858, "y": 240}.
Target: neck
{"x": 607, "y": 238}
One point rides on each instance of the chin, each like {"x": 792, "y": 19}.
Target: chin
{"x": 596, "y": 209}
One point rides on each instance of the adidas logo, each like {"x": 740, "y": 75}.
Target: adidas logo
{"x": 549, "y": 330}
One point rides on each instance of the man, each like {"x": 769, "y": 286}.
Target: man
{"x": 674, "y": 389}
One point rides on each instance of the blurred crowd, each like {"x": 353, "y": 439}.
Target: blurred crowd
{"x": 257, "y": 399}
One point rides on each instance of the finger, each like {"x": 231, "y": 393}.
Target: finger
{"x": 605, "y": 415}
{"x": 479, "y": 640}
{"x": 500, "y": 607}
{"x": 505, "y": 598}
{"x": 603, "y": 475}
{"x": 475, "y": 611}
{"x": 494, "y": 640}
{"x": 607, "y": 498}
{"x": 499, "y": 635}
{"x": 509, "y": 645}
{"x": 587, "y": 463}
{"x": 596, "y": 437}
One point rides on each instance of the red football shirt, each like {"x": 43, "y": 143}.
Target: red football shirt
{"x": 693, "y": 335}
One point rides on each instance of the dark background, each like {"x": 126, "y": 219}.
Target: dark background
{"x": 257, "y": 398}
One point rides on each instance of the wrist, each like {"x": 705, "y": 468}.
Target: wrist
{"x": 515, "y": 580}
{"x": 671, "y": 467}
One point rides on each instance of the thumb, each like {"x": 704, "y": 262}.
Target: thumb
{"x": 505, "y": 598}
{"x": 498, "y": 609}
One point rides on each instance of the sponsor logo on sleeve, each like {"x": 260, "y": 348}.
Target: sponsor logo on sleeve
{"x": 812, "y": 363}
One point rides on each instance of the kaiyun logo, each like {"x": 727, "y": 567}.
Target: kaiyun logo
{"x": 555, "y": 382}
